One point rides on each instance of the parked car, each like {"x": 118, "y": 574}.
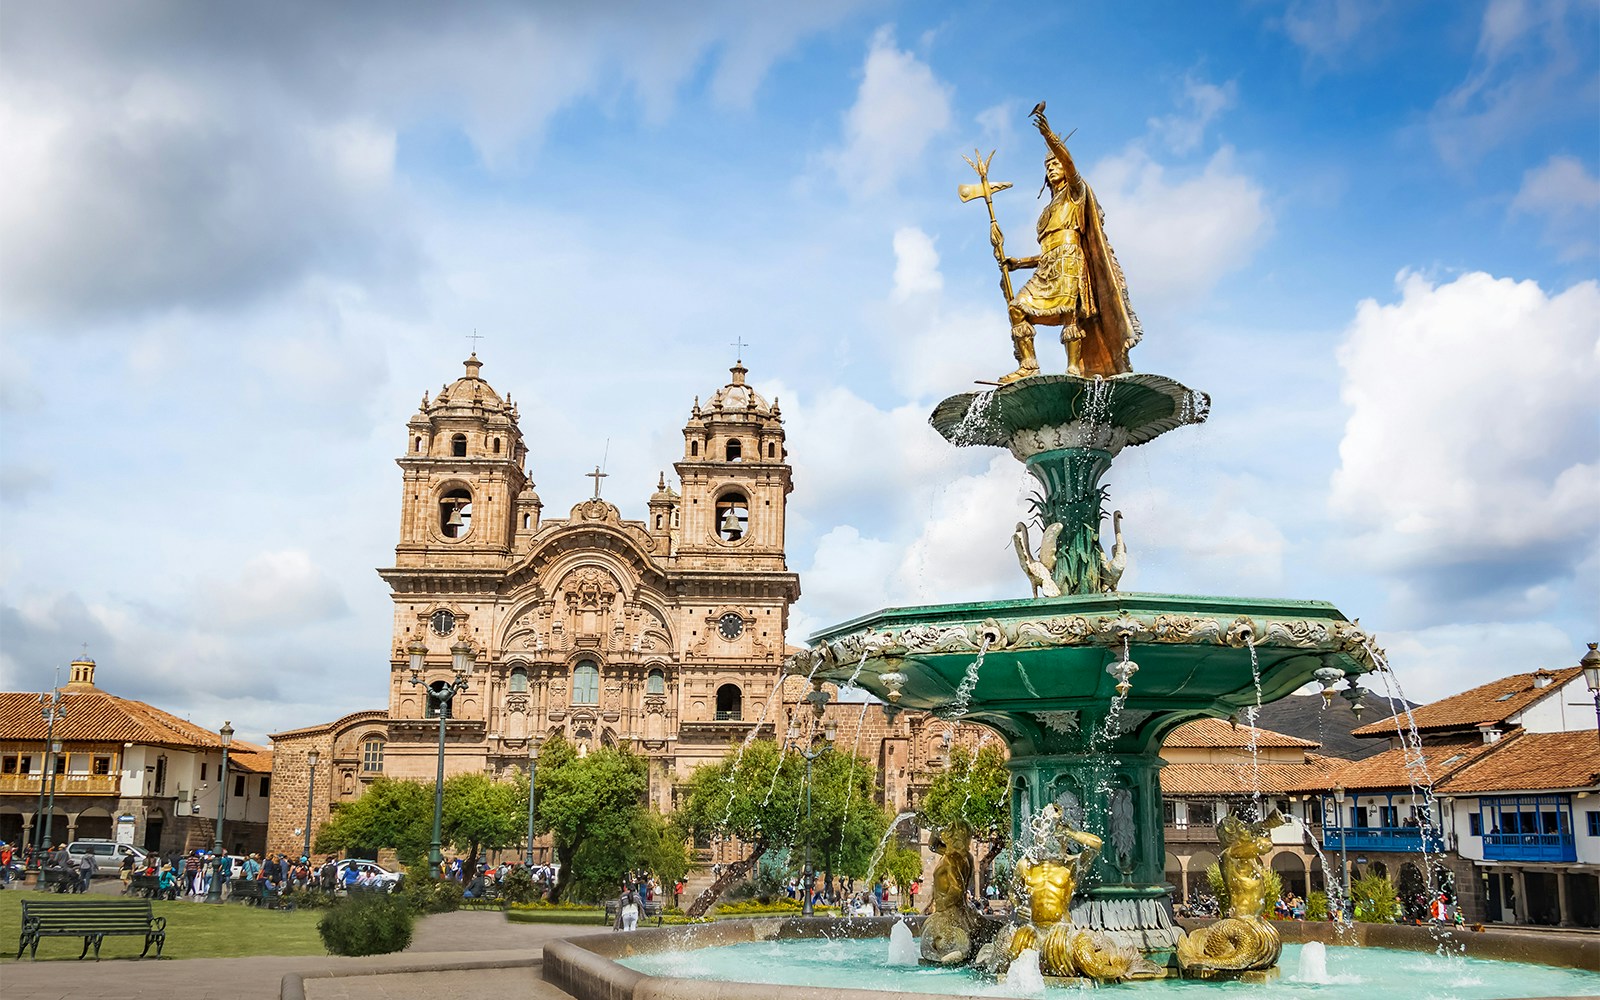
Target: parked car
{"x": 389, "y": 880}
{"x": 107, "y": 854}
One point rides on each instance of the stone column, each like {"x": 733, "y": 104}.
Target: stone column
{"x": 1519, "y": 890}
{"x": 1565, "y": 919}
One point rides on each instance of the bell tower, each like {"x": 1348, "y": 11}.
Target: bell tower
{"x": 736, "y": 481}
{"x": 463, "y": 476}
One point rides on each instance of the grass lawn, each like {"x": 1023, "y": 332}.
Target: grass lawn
{"x": 194, "y": 930}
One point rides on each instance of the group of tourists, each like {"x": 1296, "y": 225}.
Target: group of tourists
{"x": 180, "y": 875}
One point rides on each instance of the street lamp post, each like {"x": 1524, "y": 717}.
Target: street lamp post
{"x": 1344, "y": 857}
{"x": 1591, "y": 676}
{"x": 214, "y": 893}
{"x": 311, "y": 791}
{"x": 50, "y": 810}
{"x": 442, "y": 694}
{"x": 533, "y": 765}
{"x": 52, "y": 710}
{"x": 820, "y": 743}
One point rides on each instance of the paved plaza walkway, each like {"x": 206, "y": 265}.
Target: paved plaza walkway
{"x": 462, "y": 956}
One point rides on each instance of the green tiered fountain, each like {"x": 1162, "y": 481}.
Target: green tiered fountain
{"x": 1082, "y": 681}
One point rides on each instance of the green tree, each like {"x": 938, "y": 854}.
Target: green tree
{"x": 481, "y": 814}
{"x": 754, "y": 796}
{"x": 972, "y": 790}
{"x": 390, "y": 813}
{"x": 1374, "y": 900}
{"x": 591, "y": 805}
{"x": 759, "y": 798}
{"x": 846, "y": 822}
{"x": 900, "y": 864}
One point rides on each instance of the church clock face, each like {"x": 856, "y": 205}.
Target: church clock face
{"x": 442, "y": 622}
{"x": 730, "y": 626}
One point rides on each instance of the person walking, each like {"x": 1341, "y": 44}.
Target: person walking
{"x": 627, "y": 910}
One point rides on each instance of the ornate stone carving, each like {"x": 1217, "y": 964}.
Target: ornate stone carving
{"x": 1065, "y": 723}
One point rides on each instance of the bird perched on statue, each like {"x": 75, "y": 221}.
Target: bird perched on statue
{"x": 1111, "y": 567}
{"x": 1041, "y": 570}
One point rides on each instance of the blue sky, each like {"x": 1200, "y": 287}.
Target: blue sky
{"x": 240, "y": 241}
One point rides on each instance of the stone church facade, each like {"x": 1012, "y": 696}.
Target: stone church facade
{"x": 664, "y": 634}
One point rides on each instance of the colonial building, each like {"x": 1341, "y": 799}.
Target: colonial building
{"x": 125, "y": 771}
{"x": 1471, "y": 753}
{"x": 663, "y": 633}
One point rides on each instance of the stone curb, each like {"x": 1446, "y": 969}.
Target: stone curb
{"x": 293, "y": 985}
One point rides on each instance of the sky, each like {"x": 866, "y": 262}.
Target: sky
{"x": 238, "y": 242}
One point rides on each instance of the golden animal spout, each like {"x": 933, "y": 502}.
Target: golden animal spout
{"x": 1243, "y": 940}
{"x": 1232, "y": 944}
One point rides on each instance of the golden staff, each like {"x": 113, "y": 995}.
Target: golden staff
{"x": 983, "y": 189}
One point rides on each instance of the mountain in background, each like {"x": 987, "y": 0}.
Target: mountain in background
{"x": 1302, "y": 715}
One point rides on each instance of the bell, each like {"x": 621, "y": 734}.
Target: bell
{"x": 454, "y": 520}
{"x": 730, "y": 522}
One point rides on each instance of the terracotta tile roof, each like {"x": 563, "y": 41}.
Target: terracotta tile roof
{"x": 1531, "y": 762}
{"x": 95, "y": 716}
{"x": 1240, "y": 779}
{"x": 1493, "y": 702}
{"x": 1219, "y": 733}
{"x": 1388, "y": 769}
{"x": 247, "y": 757}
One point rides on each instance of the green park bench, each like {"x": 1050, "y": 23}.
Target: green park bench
{"x": 91, "y": 919}
{"x": 646, "y": 911}
{"x": 56, "y": 880}
{"x": 487, "y": 898}
{"x": 148, "y": 886}
{"x": 253, "y": 892}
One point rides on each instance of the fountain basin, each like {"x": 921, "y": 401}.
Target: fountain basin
{"x": 846, "y": 960}
{"x": 1045, "y": 657}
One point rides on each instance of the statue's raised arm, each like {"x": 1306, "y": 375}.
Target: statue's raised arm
{"x": 1054, "y": 143}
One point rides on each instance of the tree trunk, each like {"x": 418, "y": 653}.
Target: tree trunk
{"x": 731, "y": 874}
{"x": 985, "y": 873}
{"x": 564, "y": 877}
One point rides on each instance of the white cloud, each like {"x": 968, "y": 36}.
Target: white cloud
{"x": 1436, "y": 662}
{"x": 1203, "y": 102}
{"x": 270, "y": 590}
{"x": 1566, "y": 195}
{"x": 1527, "y": 70}
{"x": 1217, "y": 541}
{"x": 1327, "y": 29}
{"x": 900, "y": 107}
{"x": 1470, "y": 462}
{"x": 1177, "y": 236}
{"x": 916, "y": 265}
{"x": 161, "y": 158}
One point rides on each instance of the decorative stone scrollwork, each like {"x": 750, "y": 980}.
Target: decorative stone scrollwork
{"x": 1065, "y": 723}
{"x": 1187, "y": 630}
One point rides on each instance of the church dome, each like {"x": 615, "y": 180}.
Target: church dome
{"x": 736, "y": 397}
{"x": 470, "y": 389}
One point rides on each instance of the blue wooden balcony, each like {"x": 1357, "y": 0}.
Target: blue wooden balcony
{"x": 1380, "y": 838}
{"x": 1530, "y": 847}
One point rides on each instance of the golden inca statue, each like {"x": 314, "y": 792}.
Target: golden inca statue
{"x": 1077, "y": 283}
{"x": 948, "y": 935}
{"x": 1243, "y": 940}
{"x": 1046, "y": 881}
